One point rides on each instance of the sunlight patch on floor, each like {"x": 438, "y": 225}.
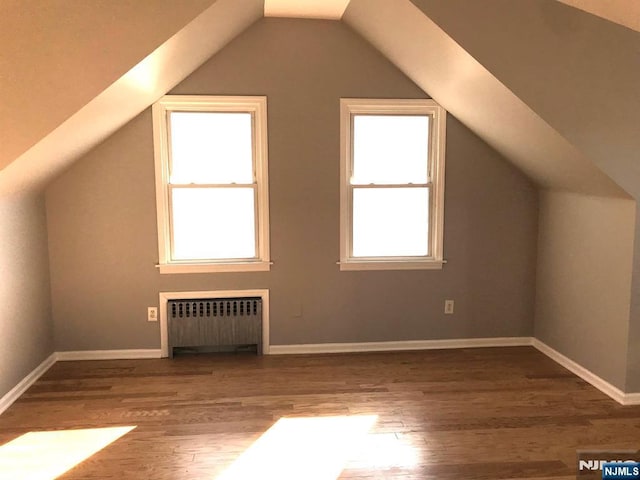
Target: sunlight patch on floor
{"x": 47, "y": 455}
{"x": 385, "y": 450}
{"x": 313, "y": 448}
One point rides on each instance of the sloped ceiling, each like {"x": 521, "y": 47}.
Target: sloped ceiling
{"x": 576, "y": 71}
{"x": 122, "y": 56}
{"x": 454, "y": 78}
{"x": 80, "y": 99}
{"x": 56, "y": 56}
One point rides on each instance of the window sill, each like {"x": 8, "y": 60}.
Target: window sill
{"x": 354, "y": 265}
{"x": 214, "y": 267}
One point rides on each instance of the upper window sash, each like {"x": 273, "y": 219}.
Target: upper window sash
{"x": 377, "y": 160}
{"x": 208, "y": 147}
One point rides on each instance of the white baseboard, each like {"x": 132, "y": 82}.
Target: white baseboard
{"x": 615, "y": 393}
{"x": 108, "y": 354}
{"x": 399, "y": 345}
{"x": 588, "y": 376}
{"x": 12, "y": 395}
{"x": 631, "y": 399}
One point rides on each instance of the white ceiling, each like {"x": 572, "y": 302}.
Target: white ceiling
{"x": 327, "y": 9}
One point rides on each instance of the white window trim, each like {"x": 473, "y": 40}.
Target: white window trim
{"x": 354, "y": 106}
{"x": 257, "y": 106}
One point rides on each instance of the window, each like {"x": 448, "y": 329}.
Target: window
{"x": 392, "y": 184}
{"x": 211, "y": 183}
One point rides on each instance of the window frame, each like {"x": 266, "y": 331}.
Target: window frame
{"x": 257, "y": 107}
{"x": 349, "y": 107}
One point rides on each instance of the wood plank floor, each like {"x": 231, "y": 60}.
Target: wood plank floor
{"x": 492, "y": 413}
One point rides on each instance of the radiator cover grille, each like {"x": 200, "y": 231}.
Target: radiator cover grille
{"x": 215, "y": 322}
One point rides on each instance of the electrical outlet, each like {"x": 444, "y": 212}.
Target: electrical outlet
{"x": 152, "y": 314}
{"x": 448, "y": 307}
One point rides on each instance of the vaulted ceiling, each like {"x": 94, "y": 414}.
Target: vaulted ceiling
{"x": 71, "y": 73}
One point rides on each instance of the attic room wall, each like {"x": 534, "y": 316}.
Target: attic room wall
{"x": 585, "y": 252}
{"x": 580, "y": 73}
{"x": 25, "y": 306}
{"x": 633, "y": 356}
{"x": 102, "y": 231}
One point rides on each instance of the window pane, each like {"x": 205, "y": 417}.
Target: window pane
{"x": 213, "y": 223}
{"x": 209, "y": 147}
{"x": 390, "y": 222}
{"x": 391, "y": 149}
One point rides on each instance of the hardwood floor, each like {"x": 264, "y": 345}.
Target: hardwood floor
{"x": 503, "y": 413}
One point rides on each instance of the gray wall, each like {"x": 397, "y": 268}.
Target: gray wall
{"x": 25, "y": 309}
{"x": 585, "y": 251}
{"x": 102, "y": 231}
{"x": 633, "y": 355}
